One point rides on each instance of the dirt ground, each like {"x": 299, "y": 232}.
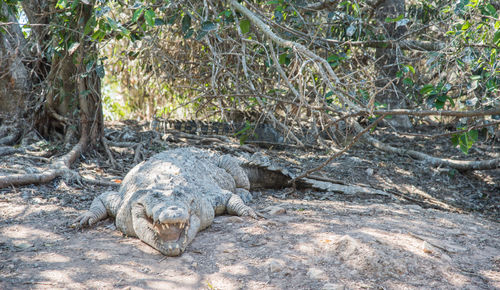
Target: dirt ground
{"x": 436, "y": 228}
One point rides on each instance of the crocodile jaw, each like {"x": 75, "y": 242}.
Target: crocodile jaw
{"x": 170, "y": 232}
{"x": 171, "y": 239}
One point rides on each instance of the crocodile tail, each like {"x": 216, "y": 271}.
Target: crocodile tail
{"x": 231, "y": 165}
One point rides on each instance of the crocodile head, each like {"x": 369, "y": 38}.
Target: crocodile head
{"x": 166, "y": 221}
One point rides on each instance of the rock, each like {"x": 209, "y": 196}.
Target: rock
{"x": 274, "y": 210}
{"x": 234, "y": 219}
{"x": 275, "y": 265}
{"x": 187, "y": 258}
{"x": 427, "y": 248}
{"x": 317, "y": 274}
{"x": 333, "y": 286}
{"x": 246, "y": 238}
{"x": 22, "y": 245}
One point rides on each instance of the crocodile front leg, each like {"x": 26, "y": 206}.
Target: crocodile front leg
{"x": 236, "y": 206}
{"x": 102, "y": 206}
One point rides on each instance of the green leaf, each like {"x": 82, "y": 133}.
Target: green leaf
{"x": 496, "y": 38}
{"x": 442, "y": 98}
{"x": 408, "y": 81}
{"x": 201, "y": 34}
{"x": 452, "y": 103}
{"x": 473, "y": 134}
{"x": 245, "y": 26}
{"x": 150, "y": 17}
{"x": 282, "y": 59}
{"x": 466, "y": 25}
{"x": 465, "y": 140}
{"x": 491, "y": 10}
{"x": 171, "y": 19}
{"x": 137, "y": 14}
{"x": 426, "y": 89}
{"x": 390, "y": 20}
{"x": 159, "y": 22}
{"x": 208, "y": 26}
{"x": 61, "y": 4}
{"x": 100, "y": 71}
{"x": 89, "y": 26}
{"x": 186, "y": 24}
{"x": 332, "y": 58}
{"x": 74, "y": 4}
{"x": 98, "y": 35}
{"x": 438, "y": 104}
{"x": 188, "y": 33}
{"x": 112, "y": 23}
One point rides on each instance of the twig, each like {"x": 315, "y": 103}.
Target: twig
{"x": 354, "y": 140}
{"x": 451, "y": 133}
{"x": 104, "y": 142}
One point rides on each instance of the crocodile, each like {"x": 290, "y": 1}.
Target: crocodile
{"x": 260, "y": 133}
{"x": 166, "y": 200}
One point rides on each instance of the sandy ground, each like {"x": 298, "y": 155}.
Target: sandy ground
{"x": 311, "y": 240}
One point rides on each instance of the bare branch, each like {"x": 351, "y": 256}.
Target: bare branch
{"x": 354, "y": 141}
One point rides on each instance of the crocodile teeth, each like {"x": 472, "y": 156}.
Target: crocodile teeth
{"x": 166, "y": 226}
{"x": 181, "y": 225}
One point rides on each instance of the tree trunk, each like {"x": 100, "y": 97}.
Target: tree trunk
{"x": 14, "y": 79}
{"x": 389, "y": 59}
{"x": 66, "y": 103}
{"x": 54, "y": 84}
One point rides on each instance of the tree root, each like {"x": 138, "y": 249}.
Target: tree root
{"x": 60, "y": 167}
{"x": 10, "y": 138}
{"x": 462, "y": 165}
{"x": 105, "y": 143}
{"x": 5, "y": 150}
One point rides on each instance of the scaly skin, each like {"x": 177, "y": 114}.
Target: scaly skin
{"x": 166, "y": 200}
